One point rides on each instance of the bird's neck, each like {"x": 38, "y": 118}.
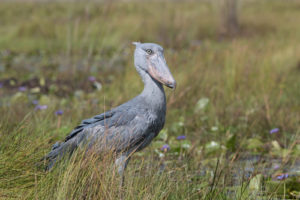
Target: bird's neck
{"x": 153, "y": 93}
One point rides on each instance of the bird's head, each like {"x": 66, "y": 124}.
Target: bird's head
{"x": 149, "y": 57}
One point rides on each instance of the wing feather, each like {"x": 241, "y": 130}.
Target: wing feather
{"x": 122, "y": 136}
{"x": 87, "y": 122}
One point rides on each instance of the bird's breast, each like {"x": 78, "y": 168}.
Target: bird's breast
{"x": 157, "y": 121}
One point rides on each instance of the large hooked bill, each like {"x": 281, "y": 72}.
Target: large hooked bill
{"x": 159, "y": 70}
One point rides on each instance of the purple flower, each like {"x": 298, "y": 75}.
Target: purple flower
{"x": 165, "y": 147}
{"x": 1, "y": 84}
{"x": 59, "y": 112}
{"x": 274, "y": 130}
{"x": 276, "y": 166}
{"x": 22, "y": 88}
{"x": 35, "y": 102}
{"x": 282, "y": 176}
{"x": 92, "y": 79}
{"x": 41, "y": 107}
{"x": 181, "y": 137}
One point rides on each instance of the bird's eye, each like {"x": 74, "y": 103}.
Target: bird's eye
{"x": 149, "y": 51}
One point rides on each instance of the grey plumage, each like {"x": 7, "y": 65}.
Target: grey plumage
{"x": 131, "y": 126}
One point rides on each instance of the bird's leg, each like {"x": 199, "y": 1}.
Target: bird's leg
{"x": 121, "y": 163}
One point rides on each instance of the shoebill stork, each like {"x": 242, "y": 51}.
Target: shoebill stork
{"x": 131, "y": 126}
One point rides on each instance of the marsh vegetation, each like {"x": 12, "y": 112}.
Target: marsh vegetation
{"x": 233, "y": 124}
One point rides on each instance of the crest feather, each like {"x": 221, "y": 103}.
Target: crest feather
{"x": 136, "y": 43}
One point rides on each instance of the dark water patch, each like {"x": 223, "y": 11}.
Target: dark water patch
{"x": 59, "y": 87}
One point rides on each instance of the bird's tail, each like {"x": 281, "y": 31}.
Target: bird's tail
{"x": 51, "y": 157}
{"x": 59, "y": 149}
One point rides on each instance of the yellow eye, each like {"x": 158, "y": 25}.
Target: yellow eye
{"x": 149, "y": 51}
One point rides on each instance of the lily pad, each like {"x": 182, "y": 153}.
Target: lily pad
{"x": 256, "y": 182}
{"x": 201, "y": 104}
{"x": 254, "y": 144}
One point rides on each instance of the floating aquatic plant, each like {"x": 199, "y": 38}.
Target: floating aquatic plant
{"x": 282, "y": 176}
{"x": 41, "y": 107}
{"x": 274, "y": 130}
{"x": 181, "y": 137}
{"x": 165, "y": 147}
{"x": 59, "y": 112}
{"x": 22, "y": 88}
{"x": 201, "y": 104}
{"x": 91, "y": 78}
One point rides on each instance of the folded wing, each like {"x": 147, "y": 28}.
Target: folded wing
{"x": 116, "y": 130}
